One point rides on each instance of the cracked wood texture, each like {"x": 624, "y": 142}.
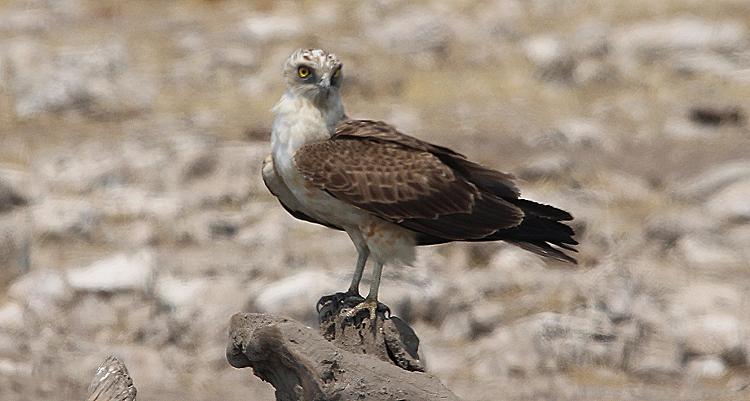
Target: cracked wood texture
{"x": 302, "y": 365}
{"x": 111, "y": 382}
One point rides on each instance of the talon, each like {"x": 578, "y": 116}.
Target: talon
{"x": 386, "y": 310}
{"x": 372, "y": 306}
{"x": 338, "y": 298}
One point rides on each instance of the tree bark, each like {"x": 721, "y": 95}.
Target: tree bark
{"x": 357, "y": 364}
{"x": 111, "y": 382}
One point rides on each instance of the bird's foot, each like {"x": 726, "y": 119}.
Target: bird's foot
{"x": 370, "y": 305}
{"x": 339, "y": 299}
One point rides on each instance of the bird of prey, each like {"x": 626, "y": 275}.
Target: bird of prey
{"x": 387, "y": 190}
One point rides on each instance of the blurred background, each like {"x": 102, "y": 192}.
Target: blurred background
{"x": 133, "y": 219}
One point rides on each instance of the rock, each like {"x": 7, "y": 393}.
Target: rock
{"x": 739, "y": 235}
{"x": 732, "y": 204}
{"x": 93, "y": 81}
{"x": 564, "y": 341}
{"x": 150, "y": 367}
{"x": 591, "y": 39}
{"x": 17, "y": 185}
{"x": 683, "y": 33}
{"x": 266, "y": 28}
{"x": 703, "y": 298}
{"x": 675, "y": 223}
{"x": 590, "y": 70}
{"x": 265, "y": 233}
{"x": 295, "y": 296}
{"x": 123, "y": 272}
{"x": 706, "y": 367}
{"x": 682, "y": 128}
{"x": 511, "y": 268}
{"x": 654, "y": 355}
{"x": 15, "y": 245}
{"x": 64, "y": 219}
{"x": 717, "y": 334}
{"x": 515, "y": 258}
{"x": 42, "y": 291}
{"x": 413, "y": 293}
{"x": 237, "y": 57}
{"x": 553, "y": 59}
{"x": 93, "y": 316}
{"x": 548, "y": 342}
{"x": 485, "y": 317}
{"x": 714, "y": 116}
{"x": 204, "y": 62}
{"x": 615, "y": 297}
{"x": 233, "y": 179}
{"x": 708, "y": 251}
{"x": 585, "y": 134}
{"x": 193, "y": 321}
{"x": 706, "y": 315}
{"x": 26, "y": 21}
{"x": 554, "y": 166}
{"x": 11, "y": 317}
{"x": 411, "y": 31}
{"x": 9, "y": 198}
{"x": 207, "y": 226}
{"x": 623, "y": 187}
{"x": 129, "y": 203}
{"x": 457, "y": 327}
{"x": 697, "y": 63}
{"x": 91, "y": 166}
{"x": 179, "y": 293}
{"x": 714, "y": 179}
{"x": 133, "y": 234}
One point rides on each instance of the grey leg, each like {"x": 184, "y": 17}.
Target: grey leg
{"x": 375, "y": 285}
{"x": 363, "y": 254}
{"x": 371, "y": 303}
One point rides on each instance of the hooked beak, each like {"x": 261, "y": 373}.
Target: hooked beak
{"x": 325, "y": 83}
{"x": 325, "y": 86}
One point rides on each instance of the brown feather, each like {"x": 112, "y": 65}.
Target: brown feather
{"x": 430, "y": 189}
{"x": 404, "y": 185}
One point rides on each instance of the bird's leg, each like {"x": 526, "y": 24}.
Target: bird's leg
{"x": 352, "y": 294}
{"x": 375, "y": 285}
{"x": 371, "y": 303}
{"x": 358, "y": 270}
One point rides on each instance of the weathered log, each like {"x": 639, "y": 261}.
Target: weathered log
{"x": 304, "y": 366}
{"x": 390, "y": 339}
{"x": 111, "y": 382}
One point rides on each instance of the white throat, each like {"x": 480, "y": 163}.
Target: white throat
{"x": 300, "y": 121}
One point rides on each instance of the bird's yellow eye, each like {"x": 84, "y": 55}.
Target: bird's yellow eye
{"x": 303, "y": 72}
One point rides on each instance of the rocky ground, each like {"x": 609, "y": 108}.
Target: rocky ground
{"x": 133, "y": 219}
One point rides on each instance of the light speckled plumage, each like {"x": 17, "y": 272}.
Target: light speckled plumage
{"x": 387, "y": 190}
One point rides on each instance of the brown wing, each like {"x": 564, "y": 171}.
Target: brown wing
{"x": 501, "y": 184}
{"x": 406, "y": 185}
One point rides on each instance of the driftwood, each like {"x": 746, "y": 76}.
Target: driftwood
{"x": 111, "y": 382}
{"x": 354, "y": 359}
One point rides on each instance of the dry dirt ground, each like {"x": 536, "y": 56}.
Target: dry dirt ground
{"x": 133, "y": 219}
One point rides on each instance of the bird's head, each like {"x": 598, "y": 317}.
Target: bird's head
{"x": 313, "y": 73}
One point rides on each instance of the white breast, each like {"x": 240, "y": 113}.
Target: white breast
{"x": 298, "y": 123}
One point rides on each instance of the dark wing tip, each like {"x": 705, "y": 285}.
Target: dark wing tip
{"x": 543, "y": 248}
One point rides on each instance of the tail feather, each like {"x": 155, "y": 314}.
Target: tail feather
{"x": 542, "y": 210}
{"x": 541, "y": 231}
{"x": 545, "y": 249}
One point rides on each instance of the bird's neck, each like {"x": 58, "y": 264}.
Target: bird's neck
{"x": 301, "y": 120}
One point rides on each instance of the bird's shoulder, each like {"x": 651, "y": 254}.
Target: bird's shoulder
{"x": 380, "y": 131}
